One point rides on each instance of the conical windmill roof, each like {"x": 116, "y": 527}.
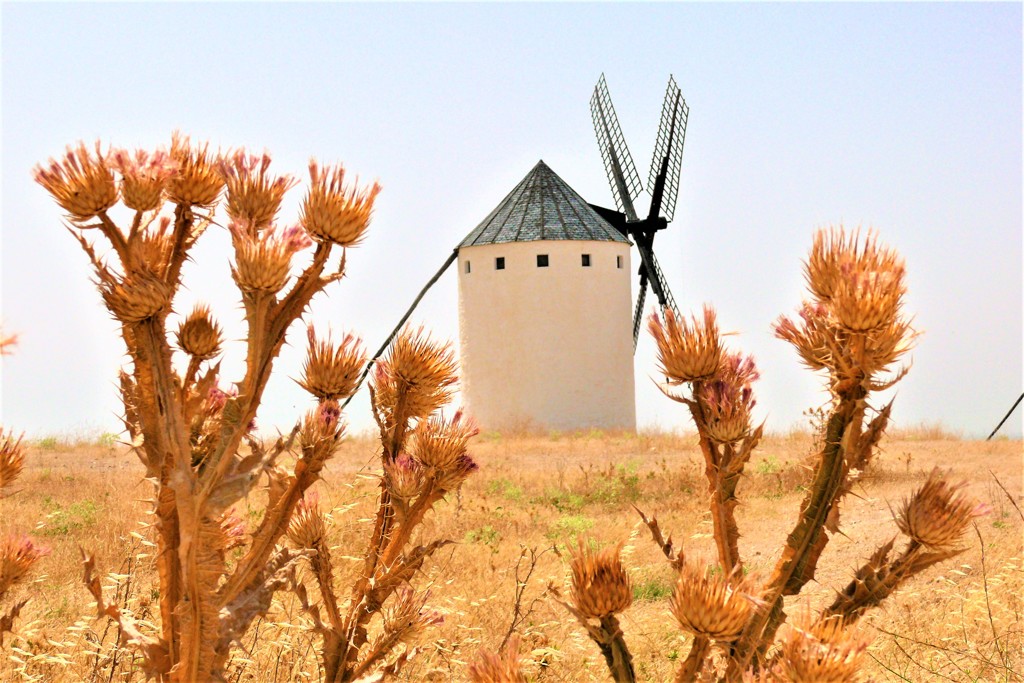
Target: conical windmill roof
{"x": 542, "y": 207}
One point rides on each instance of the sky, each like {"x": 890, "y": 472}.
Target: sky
{"x": 905, "y": 118}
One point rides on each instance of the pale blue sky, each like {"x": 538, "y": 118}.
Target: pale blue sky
{"x": 903, "y": 117}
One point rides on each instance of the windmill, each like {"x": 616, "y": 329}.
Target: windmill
{"x": 662, "y": 183}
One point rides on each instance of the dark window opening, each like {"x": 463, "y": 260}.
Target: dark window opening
{"x": 499, "y": 263}
{"x": 467, "y": 266}
{"x": 586, "y": 260}
{"x": 542, "y": 260}
{"x": 618, "y": 261}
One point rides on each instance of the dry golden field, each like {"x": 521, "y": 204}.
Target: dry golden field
{"x": 534, "y": 495}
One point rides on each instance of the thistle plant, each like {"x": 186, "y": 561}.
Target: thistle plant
{"x": 424, "y": 456}
{"x": 192, "y": 433}
{"x": 853, "y": 330}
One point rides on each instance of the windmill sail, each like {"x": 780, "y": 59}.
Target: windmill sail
{"x": 651, "y": 270}
{"x": 618, "y": 164}
{"x": 638, "y": 312}
{"x": 663, "y": 182}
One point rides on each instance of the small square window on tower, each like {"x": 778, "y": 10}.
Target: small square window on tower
{"x": 542, "y": 260}
{"x": 586, "y": 260}
{"x": 499, "y": 263}
{"x": 618, "y": 261}
{"x": 467, "y": 266}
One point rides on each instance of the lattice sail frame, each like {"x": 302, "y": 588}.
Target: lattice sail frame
{"x": 614, "y": 151}
{"x": 671, "y": 143}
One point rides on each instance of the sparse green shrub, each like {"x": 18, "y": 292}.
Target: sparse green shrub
{"x": 569, "y": 527}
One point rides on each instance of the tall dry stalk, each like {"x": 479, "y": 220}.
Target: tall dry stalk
{"x": 853, "y": 330}
{"x": 193, "y": 435}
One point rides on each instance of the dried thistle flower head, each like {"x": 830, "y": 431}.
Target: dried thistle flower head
{"x": 17, "y": 555}
{"x": 199, "y": 336}
{"x": 333, "y": 212}
{"x": 728, "y": 399}
{"x": 151, "y": 248}
{"x": 600, "y": 584}
{"x": 440, "y": 443}
{"x": 407, "y": 618}
{"x": 827, "y": 651}
{"x": 197, "y": 182}
{"x": 81, "y": 183}
{"x": 812, "y": 336}
{"x": 144, "y": 177}
{"x": 687, "y": 351}
{"x": 712, "y": 605}
{"x": 452, "y": 477}
{"x": 263, "y": 260}
{"x": 332, "y": 372}
{"x": 869, "y": 300}
{"x": 307, "y": 528}
{"x": 414, "y": 378}
{"x": 135, "y": 298}
{"x": 860, "y": 280}
{"x": 492, "y": 667}
{"x": 938, "y": 513}
{"x": 254, "y": 196}
{"x": 12, "y": 459}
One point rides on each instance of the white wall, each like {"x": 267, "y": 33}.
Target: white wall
{"x": 547, "y": 347}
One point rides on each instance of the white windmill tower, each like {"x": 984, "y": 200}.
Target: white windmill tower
{"x": 545, "y": 313}
{"x": 547, "y": 336}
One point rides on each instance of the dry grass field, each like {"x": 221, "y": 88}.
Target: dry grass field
{"x": 534, "y": 495}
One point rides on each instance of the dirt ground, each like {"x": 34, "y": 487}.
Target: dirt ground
{"x": 534, "y": 495}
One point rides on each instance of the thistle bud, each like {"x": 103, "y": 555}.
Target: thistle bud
{"x": 333, "y": 212}
{"x": 135, "y": 298}
{"x": 415, "y": 377}
{"x": 307, "y": 528}
{"x": 144, "y": 177}
{"x": 824, "y": 652}
{"x": 439, "y": 443}
{"x": 686, "y": 352}
{"x": 600, "y": 584}
{"x": 937, "y": 514}
{"x": 82, "y": 184}
{"x": 12, "y": 458}
{"x": 253, "y": 195}
{"x": 451, "y": 478}
{"x": 199, "y": 336}
{"x": 262, "y": 262}
{"x": 408, "y": 617}
{"x": 404, "y": 477}
{"x": 711, "y": 605}
{"x": 17, "y": 555}
{"x": 320, "y": 435}
{"x": 151, "y": 249}
{"x": 332, "y": 372}
{"x": 197, "y": 182}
